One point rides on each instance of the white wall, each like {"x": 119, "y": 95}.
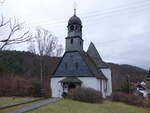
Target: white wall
{"x": 56, "y": 87}
{"x": 93, "y": 82}
{"x": 107, "y": 73}
{"x": 88, "y": 82}
{"x": 100, "y": 84}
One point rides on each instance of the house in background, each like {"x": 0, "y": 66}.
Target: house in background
{"x": 78, "y": 68}
{"x": 143, "y": 88}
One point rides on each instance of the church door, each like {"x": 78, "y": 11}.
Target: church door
{"x": 71, "y": 86}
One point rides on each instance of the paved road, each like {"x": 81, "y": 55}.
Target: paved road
{"x": 35, "y": 106}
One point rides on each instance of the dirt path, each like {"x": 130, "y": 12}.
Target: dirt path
{"x": 35, "y": 106}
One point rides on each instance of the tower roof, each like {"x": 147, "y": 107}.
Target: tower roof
{"x": 74, "y": 20}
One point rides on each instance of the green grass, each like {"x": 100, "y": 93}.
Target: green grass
{"x": 18, "y": 100}
{"x": 11, "y": 109}
{"x": 5, "y": 101}
{"x": 69, "y": 106}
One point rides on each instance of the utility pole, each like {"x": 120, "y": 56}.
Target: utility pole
{"x": 128, "y": 79}
{"x": 41, "y": 74}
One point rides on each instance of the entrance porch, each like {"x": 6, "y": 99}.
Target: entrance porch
{"x": 69, "y": 83}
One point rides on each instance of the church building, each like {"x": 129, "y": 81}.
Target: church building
{"x": 78, "y": 68}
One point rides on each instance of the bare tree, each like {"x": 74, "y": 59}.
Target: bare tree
{"x": 59, "y": 50}
{"x": 44, "y": 44}
{"x": 31, "y": 47}
{"x": 13, "y": 34}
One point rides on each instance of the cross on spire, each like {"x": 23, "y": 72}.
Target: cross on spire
{"x": 75, "y": 5}
{"x": 74, "y": 11}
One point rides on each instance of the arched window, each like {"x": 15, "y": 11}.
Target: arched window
{"x": 76, "y": 27}
{"x": 71, "y": 27}
{"x": 76, "y": 66}
{"x": 80, "y": 28}
{"x": 71, "y": 41}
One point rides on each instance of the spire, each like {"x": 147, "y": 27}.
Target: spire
{"x": 75, "y": 5}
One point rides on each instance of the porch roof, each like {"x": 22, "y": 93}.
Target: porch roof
{"x": 70, "y": 80}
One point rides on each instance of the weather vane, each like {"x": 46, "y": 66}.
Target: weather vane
{"x": 75, "y": 6}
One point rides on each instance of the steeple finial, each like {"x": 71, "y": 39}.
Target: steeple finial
{"x": 75, "y": 5}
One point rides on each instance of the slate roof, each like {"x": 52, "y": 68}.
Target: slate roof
{"x": 74, "y": 20}
{"x": 93, "y": 53}
{"x": 92, "y": 66}
{"x": 92, "y": 60}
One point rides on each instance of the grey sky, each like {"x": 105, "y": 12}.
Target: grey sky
{"x": 120, "y": 29}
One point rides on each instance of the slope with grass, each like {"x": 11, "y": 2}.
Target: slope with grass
{"x": 69, "y": 106}
{"x": 7, "y": 101}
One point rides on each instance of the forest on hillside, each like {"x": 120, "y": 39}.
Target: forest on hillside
{"x": 25, "y": 66}
{"x": 26, "y": 63}
{"x": 20, "y": 73}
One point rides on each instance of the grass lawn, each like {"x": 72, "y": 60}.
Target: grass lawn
{"x": 11, "y": 109}
{"x": 5, "y": 101}
{"x": 69, "y": 106}
{"x": 18, "y": 100}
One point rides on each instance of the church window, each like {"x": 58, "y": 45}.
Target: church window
{"x": 76, "y": 65}
{"x": 71, "y": 41}
{"x": 66, "y": 66}
{"x": 80, "y": 29}
{"x": 80, "y": 42}
{"x": 71, "y": 27}
{"x": 76, "y": 27}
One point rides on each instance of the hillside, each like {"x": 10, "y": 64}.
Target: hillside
{"x": 25, "y": 63}
{"x": 121, "y": 74}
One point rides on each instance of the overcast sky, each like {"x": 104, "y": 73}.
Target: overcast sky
{"x": 120, "y": 29}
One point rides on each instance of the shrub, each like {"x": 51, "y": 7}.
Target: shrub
{"x": 17, "y": 85}
{"x": 13, "y": 85}
{"x": 36, "y": 91}
{"x": 85, "y": 95}
{"x": 147, "y": 103}
{"x": 47, "y": 90}
{"x": 128, "y": 98}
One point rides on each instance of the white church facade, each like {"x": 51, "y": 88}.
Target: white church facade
{"x": 78, "y": 68}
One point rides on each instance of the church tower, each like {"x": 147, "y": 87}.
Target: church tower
{"x": 74, "y": 41}
{"x": 78, "y": 68}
